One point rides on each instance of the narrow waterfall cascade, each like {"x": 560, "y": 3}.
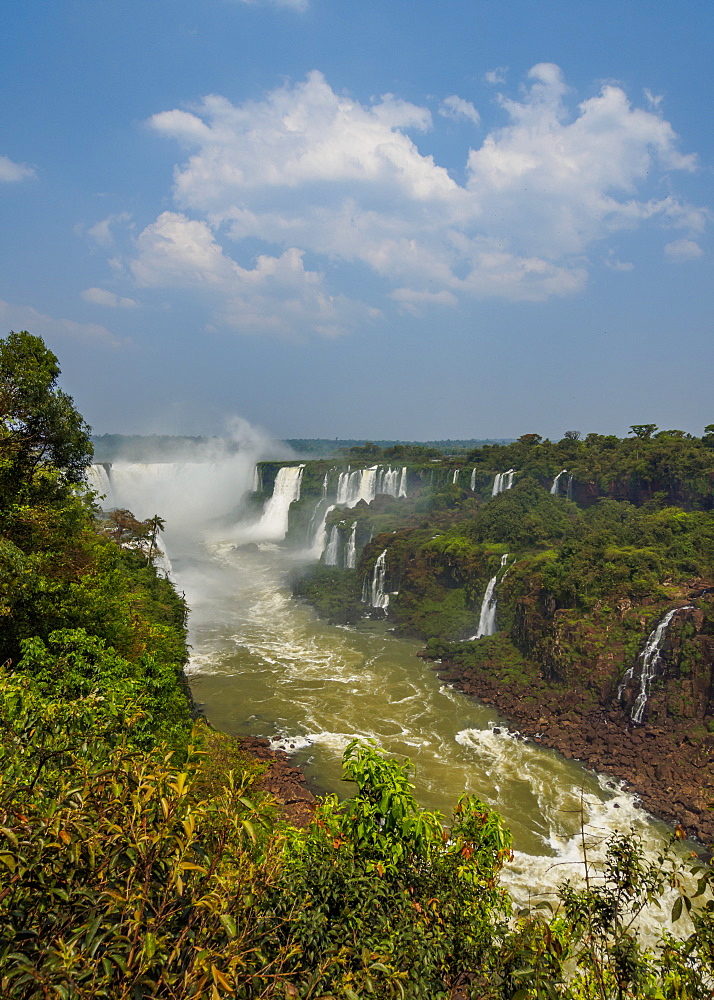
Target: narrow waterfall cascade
{"x": 487, "y": 618}
{"x": 569, "y": 490}
{"x": 502, "y": 482}
{"x": 473, "y": 480}
{"x": 316, "y": 528}
{"x": 373, "y": 591}
{"x": 649, "y": 662}
{"x": 403, "y": 482}
{"x": 161, "y": 558}
{"x": 351, "y": 552}
{"x": 555, "y": 488}
{"x": 257, "y": 479}
{"x": 455, "y": 477}
{"x": 273, "y": 525}
{"x": 332, "y": 552}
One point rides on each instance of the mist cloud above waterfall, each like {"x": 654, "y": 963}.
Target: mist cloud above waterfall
{"x": 308, "y": 171}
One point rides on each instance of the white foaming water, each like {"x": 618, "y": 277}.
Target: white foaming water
{"x": 273, "y": 525}
{"x": 353, "y": 486}
{"x": 473, "y": 480}
{"x": 366, "y": 484}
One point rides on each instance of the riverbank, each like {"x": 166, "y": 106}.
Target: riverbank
{"x": 281, "y": 779}
{"x": 671, "y": 773}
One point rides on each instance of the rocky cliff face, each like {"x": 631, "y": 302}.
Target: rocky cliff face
{"x": 572, "y": 700}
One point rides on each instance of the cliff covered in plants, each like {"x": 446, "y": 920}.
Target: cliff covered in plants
{"x": 539, "y": 574}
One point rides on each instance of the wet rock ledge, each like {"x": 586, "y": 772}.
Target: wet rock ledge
{"x": 281, "y": 779}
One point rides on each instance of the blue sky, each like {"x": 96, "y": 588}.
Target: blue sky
{"x": 401, "y": 219}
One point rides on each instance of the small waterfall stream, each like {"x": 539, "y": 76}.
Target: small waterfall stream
{"x": 487, "y": 618}
{"x": 555, "y": 488}
{"x": 273, "y": 525}
{"x": 649, "y": 662}
{"x": 351, "y": 553}
{"x": 373, "y": 591}
{"x": 353, "y": 486}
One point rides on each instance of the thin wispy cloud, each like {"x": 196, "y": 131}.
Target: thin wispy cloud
{"x": 11, "y": 172}
{"x": 299, "y": 5}
{"x": 103, "y": 297}
{"x": 19, "y": 317}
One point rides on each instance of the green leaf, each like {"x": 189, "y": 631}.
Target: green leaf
{"x": 229, "y": 924}
{"x": 149, "y": 944}
{"x": 249, "y": 830}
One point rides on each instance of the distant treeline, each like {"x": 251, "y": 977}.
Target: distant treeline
{"x": 151, "y": 447}
{"x": 324, "y": 447}
{"x": 170, "y": 447}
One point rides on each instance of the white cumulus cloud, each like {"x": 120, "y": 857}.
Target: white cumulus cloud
{"x": 279, "y": 295}
{"x": 102, "y": 232}
{"x": 11, "y": 172}
{"x": 310, "y": 173}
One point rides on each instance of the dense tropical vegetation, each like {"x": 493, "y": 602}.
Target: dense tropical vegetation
{"x": 138, "y": 856}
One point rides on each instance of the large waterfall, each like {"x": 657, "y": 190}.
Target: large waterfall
{"x": 649, "y": 662}
{"x": 373, "y": 590}
{"x": 487, "y": 618}
{"x": 502, "y": 482}
{"x": 273, "y": 525}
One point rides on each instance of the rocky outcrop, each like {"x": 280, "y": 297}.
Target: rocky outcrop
{"x": 571, "y": 703}
{"x": 281, "y": 780}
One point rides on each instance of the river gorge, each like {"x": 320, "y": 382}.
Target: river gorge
{"x": 264, "y": 664}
